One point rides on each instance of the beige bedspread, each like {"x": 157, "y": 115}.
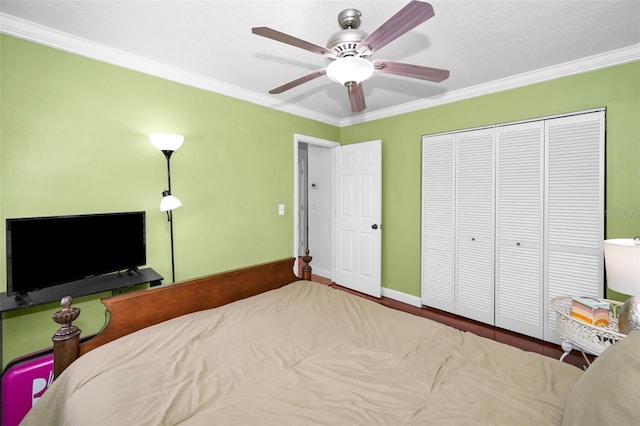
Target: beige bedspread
{"x": 306, "y": 354}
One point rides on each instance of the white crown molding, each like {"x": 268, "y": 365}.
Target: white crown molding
{"x": 47, "y": 36}
{"x": 40, "y": 34}
{"x": 591, "y": 63}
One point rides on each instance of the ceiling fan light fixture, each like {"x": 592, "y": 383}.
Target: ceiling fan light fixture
{"x": 350, "y": 69}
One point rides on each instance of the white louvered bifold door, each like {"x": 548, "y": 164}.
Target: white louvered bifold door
{"x": 438, "y": 221}
{"x": 475, "y": 221}
{"x": 519, "y": 233}
{"x": 574, "y": 209}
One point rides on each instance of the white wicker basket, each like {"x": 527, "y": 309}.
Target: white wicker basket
{"x": 586, "y": 337}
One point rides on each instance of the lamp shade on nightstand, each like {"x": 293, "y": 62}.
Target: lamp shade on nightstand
{"x": 622, "y": 262}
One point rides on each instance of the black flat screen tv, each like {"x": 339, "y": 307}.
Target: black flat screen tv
{"x": 44, "y": 252}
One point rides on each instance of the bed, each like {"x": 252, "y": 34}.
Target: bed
{"x": 258, "y": 346}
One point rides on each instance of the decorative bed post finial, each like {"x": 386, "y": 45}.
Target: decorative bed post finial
{"x": 66, "y": 341}
{"x": 306, "y": 269}
{"x": 65, "y": 318}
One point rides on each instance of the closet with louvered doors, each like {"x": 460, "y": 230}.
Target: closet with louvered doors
{"x": 528, "y": 201}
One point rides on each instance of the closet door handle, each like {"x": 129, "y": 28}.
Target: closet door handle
{"x": 518, "y": 244}
{"x": 473, "y": 238}
{"x": 374, "y": 226}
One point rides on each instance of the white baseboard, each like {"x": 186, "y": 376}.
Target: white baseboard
{"x": 401, "y": 297}
{"x": 321, "y": 272}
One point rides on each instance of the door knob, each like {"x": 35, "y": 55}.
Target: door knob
{"x": 374, "y": 226}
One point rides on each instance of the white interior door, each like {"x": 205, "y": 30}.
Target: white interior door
{"x": 574, "y": 206}
{"x": 438, "y": 221}
{"x": 474, "y": 249}
{"x": 358, "y": 204}
{"x": 519, "y": 228}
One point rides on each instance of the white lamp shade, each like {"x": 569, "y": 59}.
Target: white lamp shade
{"x": 166, "y": 141}
{"x": 169, "y": 202}
{"x": 622, "y": 262}
{"x": 350, "y": 68}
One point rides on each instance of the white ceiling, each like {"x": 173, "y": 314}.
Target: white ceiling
{"x": 487, "y": 45}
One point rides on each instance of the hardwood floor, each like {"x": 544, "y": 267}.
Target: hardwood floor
{"x": 500, "y": 335}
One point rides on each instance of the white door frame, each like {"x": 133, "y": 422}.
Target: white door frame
{"x": 311, "y": 140}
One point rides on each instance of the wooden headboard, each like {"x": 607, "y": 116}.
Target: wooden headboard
{"x": 133, "y": 311}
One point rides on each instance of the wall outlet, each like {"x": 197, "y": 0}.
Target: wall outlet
{"x": 281, "y": 209}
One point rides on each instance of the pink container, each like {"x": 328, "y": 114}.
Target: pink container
{"x": 23, "y": 383}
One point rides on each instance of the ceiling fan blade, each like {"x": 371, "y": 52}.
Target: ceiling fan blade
{"x": 298, "y": 81}
{"x": 356, "y": 97}
{"x": 409, "y": 70}
{"x": 409, "y": 17}
{"x": 293, "y": 41}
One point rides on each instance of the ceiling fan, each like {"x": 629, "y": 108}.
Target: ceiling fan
{"x": 350, "y": 49}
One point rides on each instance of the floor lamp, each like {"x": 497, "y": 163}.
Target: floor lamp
{"x": 168, "y": 144}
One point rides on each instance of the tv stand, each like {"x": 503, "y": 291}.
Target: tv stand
{"x": 84, "y": 287}
{"x": 87, "y": 286}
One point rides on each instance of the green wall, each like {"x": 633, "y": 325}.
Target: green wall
{"x": 73, "y": 139}
{"x": 616, "y": 88}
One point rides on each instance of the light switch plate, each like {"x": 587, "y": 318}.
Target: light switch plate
{"x": 281, "y": 209}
